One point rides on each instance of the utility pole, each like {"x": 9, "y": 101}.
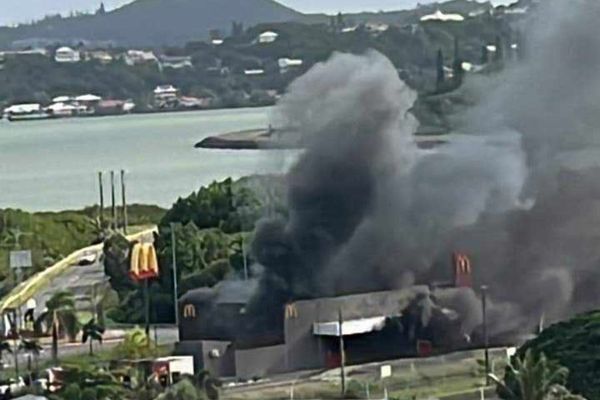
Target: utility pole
{"x": 124, "y": 199}
{"x": 175, "y": 285}
{"x": 101, "y": 188}
{"x": 246, "y": 276}
{"x": 342, "y": 354}
{"x": 484, "y": 290}
{"x": 114, "y": 223}
{"x": 147, "y": 306}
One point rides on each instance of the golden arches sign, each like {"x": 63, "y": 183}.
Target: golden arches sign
{"x": 189, "y": 311}
{"x": 462, "y": 264}
{"x": 144, "y": 262}
{"x": 291, "y": 311}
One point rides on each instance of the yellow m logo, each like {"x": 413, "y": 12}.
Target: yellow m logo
{"x": 291, "y": 311}
{"x": 189, "y": 311}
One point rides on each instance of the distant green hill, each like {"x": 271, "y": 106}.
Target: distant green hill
{"x": 153, "y": 22}
{"x": 156, "y": 23}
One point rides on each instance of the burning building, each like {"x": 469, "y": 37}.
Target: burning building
{"x": 371, "y": 217}
{"x": 223, "y": 337}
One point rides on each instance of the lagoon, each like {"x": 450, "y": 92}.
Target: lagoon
{"x": 52, "y": 165}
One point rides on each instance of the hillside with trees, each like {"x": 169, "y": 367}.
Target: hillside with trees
{"x": 152, "y": 22}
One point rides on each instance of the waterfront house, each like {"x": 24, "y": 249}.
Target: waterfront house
{"x": 166, "y": 96}
{"x": 67, "y": 55}
{"x": 268, "y": 37}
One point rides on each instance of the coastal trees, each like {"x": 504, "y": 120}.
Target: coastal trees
{"x": 211, "y": 231}
{"x": 59, "y": 318}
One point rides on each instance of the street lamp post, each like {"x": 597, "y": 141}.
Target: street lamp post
{"x": 175, "y": 285}
{"x": 484, "y": 290}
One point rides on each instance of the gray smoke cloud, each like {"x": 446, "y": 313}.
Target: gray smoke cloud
{"x": 368, "y": 210}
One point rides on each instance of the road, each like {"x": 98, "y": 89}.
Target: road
{"x": 165, "y": 335}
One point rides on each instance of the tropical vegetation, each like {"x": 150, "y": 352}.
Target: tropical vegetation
{"x": 92, "y": 331}
{"x": 52, "y": 236}
{"x": 534, "y": 377}
{"x": 574, "y": 345}
{"x": 212, "y": 230}
{"x": 59, "y": 319}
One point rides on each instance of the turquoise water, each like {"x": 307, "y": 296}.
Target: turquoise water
{"x": 53, "y": 165}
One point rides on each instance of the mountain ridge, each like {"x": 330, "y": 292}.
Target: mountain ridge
{"x": 153, "y": 22}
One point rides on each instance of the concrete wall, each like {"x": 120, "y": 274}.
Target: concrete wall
{"x": 223, "y": 366}
{"x": 260, "y": 362}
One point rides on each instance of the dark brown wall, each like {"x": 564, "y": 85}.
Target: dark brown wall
{"x": 260, "y": 362}
{"x": 307, "y": 351}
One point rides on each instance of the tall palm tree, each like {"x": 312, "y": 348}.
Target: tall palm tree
{"x": 32, "y": 348}
{"x": 535, "y": 378}
{"x": 92, "y": 331}
{"x": 60, "y": 319}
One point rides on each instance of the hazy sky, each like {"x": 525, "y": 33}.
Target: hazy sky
{"x": 13, "y": 11}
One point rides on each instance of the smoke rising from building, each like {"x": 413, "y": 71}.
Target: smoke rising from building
{"x": 370, "y": 211}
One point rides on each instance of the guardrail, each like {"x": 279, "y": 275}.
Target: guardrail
{"x": 27, "y": 289}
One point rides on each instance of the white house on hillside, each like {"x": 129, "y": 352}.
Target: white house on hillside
{"x": 135, "y": 57}
{"x": 286, "y": 63}
{"x": 268, "y": 37}
{"x": 440, "y": 16}
{"x": 67, "y": 55}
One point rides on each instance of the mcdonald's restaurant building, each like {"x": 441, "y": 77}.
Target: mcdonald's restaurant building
{"x": 309, "y": 338}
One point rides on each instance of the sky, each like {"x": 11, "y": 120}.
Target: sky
{"x": 15, "y": 11}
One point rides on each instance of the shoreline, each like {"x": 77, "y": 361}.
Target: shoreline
{"x": 268, "y": 139}
{"x": 142, "y": 112}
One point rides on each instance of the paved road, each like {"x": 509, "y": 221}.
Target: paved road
{"x": 165, "y": 335}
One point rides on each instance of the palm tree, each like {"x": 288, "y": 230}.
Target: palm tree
{"x": 32, "y": 348}
{"x": 136, "y": 345}
{"x": 59, "y": 318}
{"x": 92, "y": 331}
{"x": 535, "y": 378}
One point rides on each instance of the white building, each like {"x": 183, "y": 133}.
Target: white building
{"x": 165, "y": 90}
{"x": 135, "y": 57}
{"x": 88, "y": 98}
{"x": 440, "y": 16}
{"x": 175, "y": 62}
{"x": 254, "y": 72}
{"x": 67, "y": 55}
{"x": 286, "y": 63}
{"x": 268, "y": 37}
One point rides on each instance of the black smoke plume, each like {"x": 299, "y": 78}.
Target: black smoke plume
{"x": 370, "y": 211}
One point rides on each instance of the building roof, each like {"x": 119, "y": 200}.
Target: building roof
{"x": 23, "y": 108}
{"x": 65, "y": 50}
{"x": 254, "y": 72}
{"x": 62, "y": 99}
{"x": 269, "y": 34}
{"x": 88, "y": 97}
{"x": 226, "y": 292}
{"x": 165, "y": 89}
{"x": 440, "y": 16}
